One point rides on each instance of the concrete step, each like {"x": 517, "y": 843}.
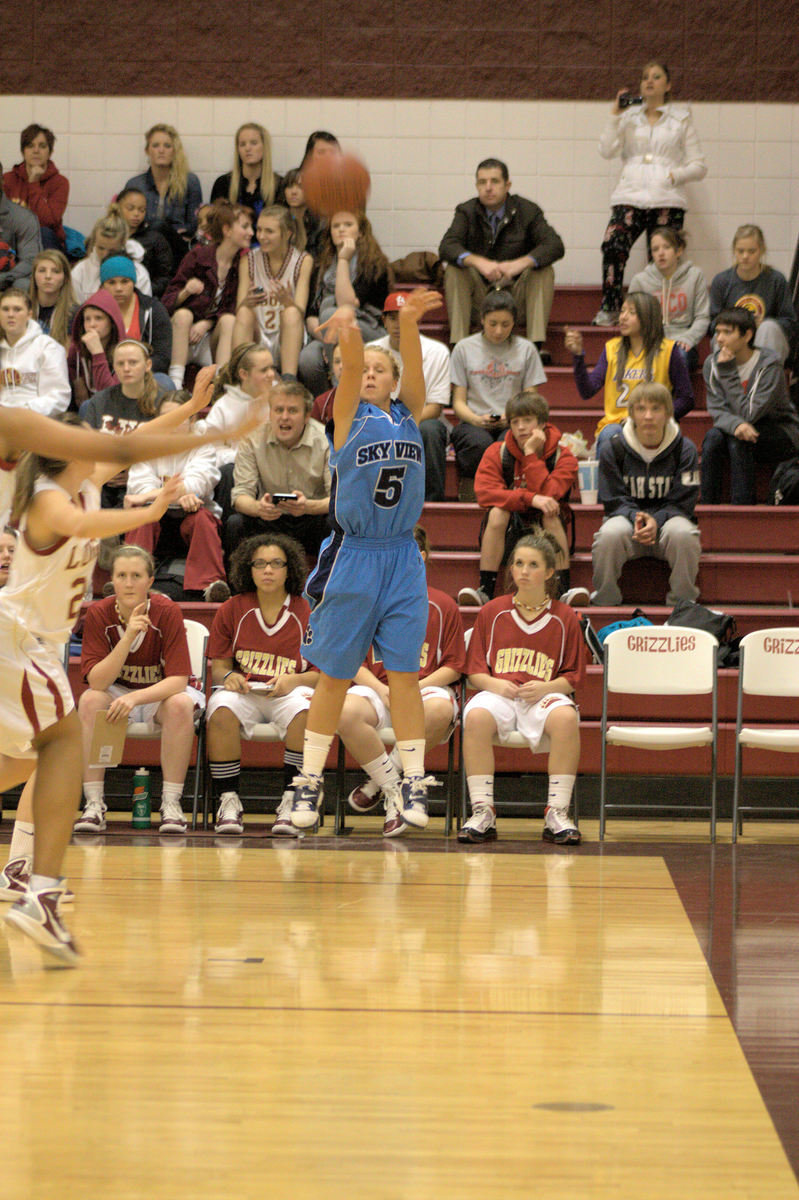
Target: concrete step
{"x": 724, "y": 527}
{"x": 724, "y": 579}
{"x": 575, "y": 304}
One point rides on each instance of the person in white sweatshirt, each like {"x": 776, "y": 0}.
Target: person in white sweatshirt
{"x": 109, "y": 236}
{"x": 248, "y": 375}
{"x": 33, "y": 366}
{"x": 660, "y": 152}
{"x": 192, "y": 521}
{"x": 681, "y": 289}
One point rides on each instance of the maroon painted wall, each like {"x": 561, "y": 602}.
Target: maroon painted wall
{"x": 743, "y": 50}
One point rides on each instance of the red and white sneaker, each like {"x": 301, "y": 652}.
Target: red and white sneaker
{"x": 480, "y": 827}
{"x": 229, "y": 814}
{"x": 38, "y": 915}
{"x": 282, "y": 826}
{"x": 394, "y": 825}
{"x": 559, "y": 828}
{"x": 92, "y": 819}
{"x": 365, "y": 797}
{"x": 172, "y": 818}
{"x": 14, "y": 878}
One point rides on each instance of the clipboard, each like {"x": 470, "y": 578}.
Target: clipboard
{"x": 108, "y": 741}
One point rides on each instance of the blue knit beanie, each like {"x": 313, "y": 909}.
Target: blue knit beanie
{"x": 118, "y": 264}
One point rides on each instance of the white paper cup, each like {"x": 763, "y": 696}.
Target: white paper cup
{"x": 588, "y": 479}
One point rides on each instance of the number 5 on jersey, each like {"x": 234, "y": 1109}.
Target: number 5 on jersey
{"x": 388, "y": 488}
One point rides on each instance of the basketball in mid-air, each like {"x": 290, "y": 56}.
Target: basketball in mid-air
{"x": 335, "y": 183}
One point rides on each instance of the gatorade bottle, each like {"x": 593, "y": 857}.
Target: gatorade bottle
{"x": 141, "y": 799}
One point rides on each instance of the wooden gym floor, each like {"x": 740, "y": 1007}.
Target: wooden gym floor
{"x": 415, "y": 1019}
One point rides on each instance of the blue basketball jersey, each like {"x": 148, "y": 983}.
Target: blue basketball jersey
{"x": 378, "y": 474}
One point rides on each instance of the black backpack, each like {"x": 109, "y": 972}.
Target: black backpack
{"x": 784, "y": 486}
{"x": 695, "y": 616}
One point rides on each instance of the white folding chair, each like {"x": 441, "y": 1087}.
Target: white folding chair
{"x": 660, "y": 661}
{"x": 769, "y": 666}
{"x": 515, "y": 741}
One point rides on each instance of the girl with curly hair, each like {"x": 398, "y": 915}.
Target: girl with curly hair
{"x": 258, "y": 670}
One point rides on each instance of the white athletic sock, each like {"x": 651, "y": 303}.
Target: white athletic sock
{"x": 412, "y": 756}
{"x": 382, "y": 771}
{"x": 481, "y": 791}
{"x": 315, "y": 749}
{"x": 560, "y": 791}
{"x": 393, "y": 754}
{"x": 176, "y": 374}
{"x": 94, "y": 791}
{"x": 172, "y": 791}
{"x": 21, "y": 841}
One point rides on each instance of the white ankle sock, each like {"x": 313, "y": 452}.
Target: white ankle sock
{"x": 94, "y": 791}
{"x": 315, "y": 749}
{"x": 21, "y": 841}
{"x": 412, "y": 755}
{"x": 382, "y": 771}
{"x": 560, "y": 791}
{"x": 176, "y": 374}
{"x": 171, "y": 791}
{"x": 481, "y": 791}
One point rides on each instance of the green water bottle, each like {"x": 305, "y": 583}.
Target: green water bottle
{"x": 141, "y": 799}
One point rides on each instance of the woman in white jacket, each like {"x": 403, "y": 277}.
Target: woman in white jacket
{"x": 192, "y": 520}
{"x": 33, "y": 366}
{"x": 660, "y": 152}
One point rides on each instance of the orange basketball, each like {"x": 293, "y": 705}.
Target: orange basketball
{"x": 335, "y": 183}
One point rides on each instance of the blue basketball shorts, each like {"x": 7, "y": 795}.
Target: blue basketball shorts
{"x": 366, "y": 591}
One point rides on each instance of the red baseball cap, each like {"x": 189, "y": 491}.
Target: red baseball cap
{"x": 395, "y": 301}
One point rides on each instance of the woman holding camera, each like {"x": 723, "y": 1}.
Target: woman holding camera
{"x": 660, "y": 152}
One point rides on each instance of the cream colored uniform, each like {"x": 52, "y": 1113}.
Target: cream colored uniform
{"x": 267, "y": 315}
{"x": 38, "y": 608}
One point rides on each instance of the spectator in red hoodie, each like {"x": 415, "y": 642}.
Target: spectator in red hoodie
{"x": 37, "y": 184}
{"x": 96, "y": 330}
{"x": 523, "y": 481}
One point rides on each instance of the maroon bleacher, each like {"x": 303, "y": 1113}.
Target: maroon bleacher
{"x": 749, "y": 567}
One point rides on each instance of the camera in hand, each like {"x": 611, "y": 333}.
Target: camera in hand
{"x": 627, "y": 99}
{"x": 278, "y": 497}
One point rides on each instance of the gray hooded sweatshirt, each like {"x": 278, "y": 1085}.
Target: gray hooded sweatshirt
{"x": 684, "y": 300}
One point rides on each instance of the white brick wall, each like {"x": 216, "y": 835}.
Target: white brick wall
{"x": 422, "y": 155}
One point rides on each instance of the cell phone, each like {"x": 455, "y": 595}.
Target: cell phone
{"x": 258, "y": 291}
{"x": 278, "y": 496}
{"x": 495, "y": 417}
{"x": 627, "y": 99}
